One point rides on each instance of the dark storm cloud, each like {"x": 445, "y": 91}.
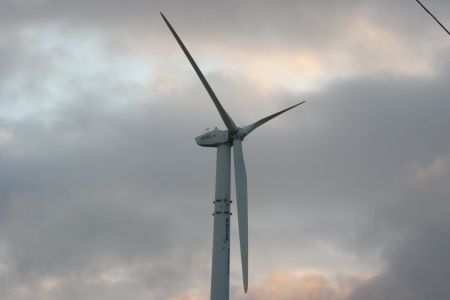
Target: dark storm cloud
{"x": 402, "y": 122}
{"x": 419, "y": 247}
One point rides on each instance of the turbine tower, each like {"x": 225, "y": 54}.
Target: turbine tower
{"x": 223, "y": 140}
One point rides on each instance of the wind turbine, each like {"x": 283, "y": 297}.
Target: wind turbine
{"x": 223, "y": 140}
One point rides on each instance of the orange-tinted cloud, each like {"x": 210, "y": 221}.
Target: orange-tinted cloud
{"x": 311, "y": 286}
{"x": 291, "y": 286}
{"x": 191, "y": 295}
{"x": 284, "y": 286}
{"x": 438, "y": 169}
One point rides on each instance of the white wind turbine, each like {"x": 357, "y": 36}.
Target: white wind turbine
{"x": 223, "y": 140}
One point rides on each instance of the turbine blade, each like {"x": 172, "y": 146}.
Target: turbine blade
{"x": 241, "y": 199}
{"x": 249, "y": 128}
{"x": 223, "y": 114}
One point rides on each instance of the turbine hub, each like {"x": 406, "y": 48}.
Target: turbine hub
{"x": 239, "y": 135}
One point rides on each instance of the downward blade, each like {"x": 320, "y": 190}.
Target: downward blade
{"x": 223, "y": 114}
{"x": 242, "y": 209}
{"x": 249, "y": 128}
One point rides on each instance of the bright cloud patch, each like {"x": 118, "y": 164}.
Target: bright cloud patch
{"x": 435, "y": 170}
{"x": 58, "y": 67}
{"x": 312, "y": 286}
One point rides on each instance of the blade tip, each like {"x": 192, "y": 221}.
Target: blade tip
{"x": 245, "y": 283}
{"x": 163, "y": 16}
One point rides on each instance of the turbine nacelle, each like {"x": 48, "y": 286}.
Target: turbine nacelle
{"x": 213, "y": 138}
{"x": 216, "y": 137}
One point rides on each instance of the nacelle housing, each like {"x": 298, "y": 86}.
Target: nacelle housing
{"x": 213, "y": 138}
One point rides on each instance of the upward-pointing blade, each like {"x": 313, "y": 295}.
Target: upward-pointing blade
{"x": 241, "y": 199}
{"x": 225, "y": 117}
{"x": 249, "y": 128}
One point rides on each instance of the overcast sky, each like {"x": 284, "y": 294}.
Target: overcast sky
{"x": 105, "y": 195}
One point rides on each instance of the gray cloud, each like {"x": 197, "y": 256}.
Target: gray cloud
{"x": 418, "y": 247}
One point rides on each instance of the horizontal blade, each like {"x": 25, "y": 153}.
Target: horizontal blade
{"x": 249, "y": 128}
{"x": 223, "y": 114}
{"x": 242, "y": 210}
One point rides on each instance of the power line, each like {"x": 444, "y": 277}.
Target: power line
{"x": 426, "y": 9}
